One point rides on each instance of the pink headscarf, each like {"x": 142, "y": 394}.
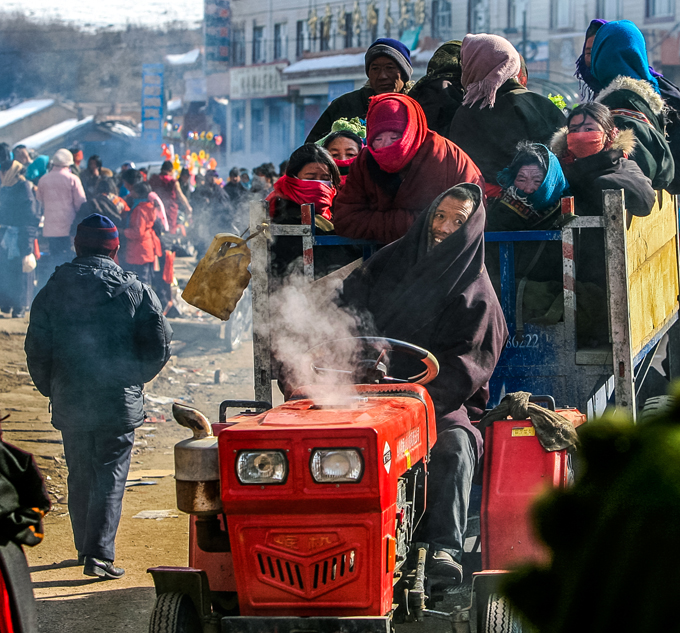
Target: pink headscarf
{"x": 488, "y": 61}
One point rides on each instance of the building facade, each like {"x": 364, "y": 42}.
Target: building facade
{"x": 277, "y": 65}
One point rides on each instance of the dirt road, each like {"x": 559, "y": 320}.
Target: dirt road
{"x": 68, "y": 600}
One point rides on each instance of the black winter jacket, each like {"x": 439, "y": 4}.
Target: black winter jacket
{"x": 286, "y": 250}
{"x": 627, "y": 98}
{"x": 490, "y": 136}
{"x": 589, "y": 177}
{"x": 350, "y": 105}
{"x": 19, "y": 208}
{"x": 96, "y": 335}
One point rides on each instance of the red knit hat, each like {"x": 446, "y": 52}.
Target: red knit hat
{"x": 97, "y": 232}
{"x": 389, "y": 115}
{"x": 400, "y": 113}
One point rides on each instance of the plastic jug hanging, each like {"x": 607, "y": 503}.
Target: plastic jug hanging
{"x": 220, "y": 277}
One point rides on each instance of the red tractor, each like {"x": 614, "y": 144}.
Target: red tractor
{"x": 303, "y": 516}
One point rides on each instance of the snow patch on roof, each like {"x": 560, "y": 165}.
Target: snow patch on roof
{"x": 184, "y": 59}
{"x": 46, "y": 136}
{"x": 356, "y": 60}
{"x": 122, "y": 129}
{"x": 174, "y": 104}
{"x": 22, "y": 110}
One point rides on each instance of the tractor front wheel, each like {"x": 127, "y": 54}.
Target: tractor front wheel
{"x": 174, "y": 613}
{"x": 501, "y": 617}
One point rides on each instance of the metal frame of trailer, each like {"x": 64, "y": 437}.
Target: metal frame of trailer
{"x": 643, "y": 285}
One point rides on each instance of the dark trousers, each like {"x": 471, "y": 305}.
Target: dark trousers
{"x": 144, "y": 272}
{"x": 451, "y": 470}
{"x": 98, "y": 463}
{"x": 16, "y": 286}
{"x": 161, "y": 287}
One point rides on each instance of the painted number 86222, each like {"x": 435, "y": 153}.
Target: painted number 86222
{"x": 527, "y": 341}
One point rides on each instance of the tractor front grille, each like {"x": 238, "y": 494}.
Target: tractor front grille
{"x": 310, "y": 579}
{"x": 281, "y": 571}
{"x": 334, "y": 568}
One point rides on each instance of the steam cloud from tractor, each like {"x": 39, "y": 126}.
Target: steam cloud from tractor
{"x": 303, "y": 316}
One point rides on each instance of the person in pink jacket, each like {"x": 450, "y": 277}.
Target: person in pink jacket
{"x": 61, "y": 195}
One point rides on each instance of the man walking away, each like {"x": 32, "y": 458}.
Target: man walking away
{"x": 96, "y": 335}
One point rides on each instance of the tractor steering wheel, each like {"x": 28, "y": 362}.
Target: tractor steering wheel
{"x": 375, "y": 370}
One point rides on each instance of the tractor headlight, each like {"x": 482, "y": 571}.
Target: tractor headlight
{"x": 261, "y": 467}
{"x": 336, "y": 465}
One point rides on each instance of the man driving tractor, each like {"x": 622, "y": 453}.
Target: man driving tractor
{"x": 430, "y": 288}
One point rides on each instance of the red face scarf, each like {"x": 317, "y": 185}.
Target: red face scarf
{"x": 582, "y": 144}
{"x": 343, "y": 167}
{"x": 303, "y": 192}
{"x": 399, "y": 113}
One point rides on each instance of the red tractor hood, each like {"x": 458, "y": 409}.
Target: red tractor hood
{"x": 393, "y": 427}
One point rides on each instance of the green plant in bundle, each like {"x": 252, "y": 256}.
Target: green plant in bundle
{"x": 558, "y": 100}
{"x": 356, "y": 125}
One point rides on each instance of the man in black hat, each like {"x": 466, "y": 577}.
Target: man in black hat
{"x": 388, "y": 68}
{"x": 96, "y": 335}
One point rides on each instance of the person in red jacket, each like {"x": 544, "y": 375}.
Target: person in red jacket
{"x": 142, "y": 245}
{"x": 403, "y": 168}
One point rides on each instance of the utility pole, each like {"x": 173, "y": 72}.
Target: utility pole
{"x": 524, "y": 33}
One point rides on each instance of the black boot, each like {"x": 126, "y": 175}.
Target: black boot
{"x": 102, "y": 568}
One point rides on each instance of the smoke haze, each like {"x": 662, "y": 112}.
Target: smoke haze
{"x": 303, "y": 316}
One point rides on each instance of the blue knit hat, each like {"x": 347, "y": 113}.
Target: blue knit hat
{"x": 394, "y": 49}
{"x": 97, "y": 232}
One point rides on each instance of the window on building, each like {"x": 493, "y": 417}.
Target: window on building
{"x": 348, "y": 30}
{"x": 516, "y": 10}
{"x": 238, "y": 45}
{"x": 609, "y": 9}
{"x": 279, "y": 41}
{"x": 257, "y": 125}
{"x": 338, "y": 88}
{"x": 660, "y": 8}
{"x": 299, "y": 38}
{"x": 279, "y": 130}
{"x": 238, "y": 126}
{"x": 441, "y": 20}
{"x": 258, "y": 45}
{"x": 561, "y": 14}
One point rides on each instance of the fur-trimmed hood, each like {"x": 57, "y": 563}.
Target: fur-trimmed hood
{"x": 640, "y": 87}
{"x": 625, "y": 141}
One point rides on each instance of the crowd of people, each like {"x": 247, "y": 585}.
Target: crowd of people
{"x": 471, "y": 119}
{"x": 430, "y": 167}
{"x": 44, "y": 198}
{"x": 376, "y": 159}
{"x": 420, "y": 169}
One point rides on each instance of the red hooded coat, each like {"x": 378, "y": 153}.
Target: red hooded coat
{"x": 142, "y": 245}
{"x": 367, "y": 209}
